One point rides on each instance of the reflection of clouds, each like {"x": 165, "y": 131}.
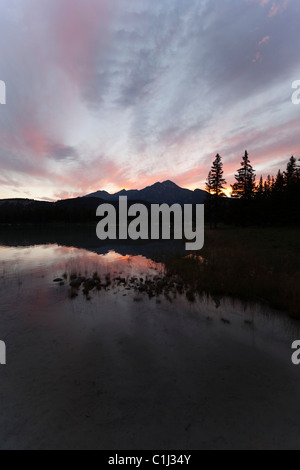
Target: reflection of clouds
{"x": 60, "y": 259}
{"x": 112, "y": 257}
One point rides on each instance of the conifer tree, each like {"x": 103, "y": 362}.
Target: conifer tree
{"x": 279, "y": 182}
{"x": 215, "y": 180}
{"x": 291, "y": 173}
{"x": 245, "y": 180}
{"x": 260, "y": 188}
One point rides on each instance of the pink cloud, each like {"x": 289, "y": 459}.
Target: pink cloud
{"x": 80, "y": 30}
{"x": 278, "y": 8}
{"x": 264, "y": 40}
{"x": 257, "y": 57}
{"x": 274, "y": 10}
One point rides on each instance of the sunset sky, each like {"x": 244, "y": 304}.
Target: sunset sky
{"x": 112, "y": 94}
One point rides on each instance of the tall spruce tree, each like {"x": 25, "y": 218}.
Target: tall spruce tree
{"x": 291, "y": 173}
{"x": 279, "y": 183}
{"x": 260, "y": 189}
{"x": 215, "y": 180}
{"x": 245, "y": 180}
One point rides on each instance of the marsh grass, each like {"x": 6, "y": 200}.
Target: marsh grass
{"x": 254, "y": 264}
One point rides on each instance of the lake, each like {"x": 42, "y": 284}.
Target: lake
{"x": 116, "y": 368}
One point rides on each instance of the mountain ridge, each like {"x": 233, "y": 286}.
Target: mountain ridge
{"x": 166, "y": 192}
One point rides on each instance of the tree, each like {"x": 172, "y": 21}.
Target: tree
{"x": 215, "y": 181}
{"x": 245, "y": 180}
{"x": 291, "y": 173}
{"x": 279, "y": 183}
{"x": 268, "y": 186}
{"x": 215, "y": 184}
{"x": 260, "y": 189}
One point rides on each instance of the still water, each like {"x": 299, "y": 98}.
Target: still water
{"x": 115, "y": 369}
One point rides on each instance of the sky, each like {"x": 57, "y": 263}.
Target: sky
{"x": 112, "y": 94}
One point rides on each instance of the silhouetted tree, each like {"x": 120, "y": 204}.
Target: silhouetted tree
{"x": 215, "y": 181}
{"x": 214, "y": 185}
{"x": 268, "y": 186}
{"x": 245, "y": 180}
{"x": 291, "y": 173}
{"x": 260, "y": 189}
{"x": 279, "y": 183}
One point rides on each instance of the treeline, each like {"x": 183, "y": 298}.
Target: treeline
{"x": 81, "y": 210}
{"x": 68, "y": 211}
{"x": 274, "y": 201}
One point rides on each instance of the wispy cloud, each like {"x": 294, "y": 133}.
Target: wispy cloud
{"x": 264, "y": 40}
{"x": 278, "y": 8}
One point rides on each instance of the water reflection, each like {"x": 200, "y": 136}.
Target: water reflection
{"x": 83, "y": 237}
{"x": 113, "y": 373}
{"x": 27, "y": 273}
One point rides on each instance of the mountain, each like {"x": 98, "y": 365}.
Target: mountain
{"x": 83, "y": 209}
{"x": 19, "y": 202}
{"x": 159, "y": 193}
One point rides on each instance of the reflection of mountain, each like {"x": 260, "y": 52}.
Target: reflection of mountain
{"x": 166, "y": 192}
{"x": 83, "y": 238}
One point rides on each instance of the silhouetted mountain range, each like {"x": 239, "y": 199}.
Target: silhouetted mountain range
{"x": 83, "y": 209}
{"x": 159, "y": 193}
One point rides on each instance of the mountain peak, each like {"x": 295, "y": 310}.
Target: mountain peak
{"x": 169, "y": 184}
